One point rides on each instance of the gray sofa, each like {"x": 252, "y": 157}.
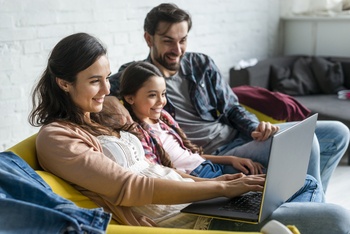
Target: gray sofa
{"x": 321, "y": 99}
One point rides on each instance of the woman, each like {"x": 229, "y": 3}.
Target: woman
{"x": 67, "y": 101}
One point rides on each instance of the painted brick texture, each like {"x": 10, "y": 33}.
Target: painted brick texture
{"x": 227, "y": 30}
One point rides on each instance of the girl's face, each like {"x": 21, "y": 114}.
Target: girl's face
{"x": 148, "y": 102}
{"x": 91, "y": 86}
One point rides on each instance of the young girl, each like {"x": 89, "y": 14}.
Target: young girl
{"x": 143, "y": 90}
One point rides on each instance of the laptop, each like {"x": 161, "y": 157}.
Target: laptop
{"x": 288, "y": 162}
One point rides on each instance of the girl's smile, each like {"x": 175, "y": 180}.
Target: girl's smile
{"x": 149, "y": 100}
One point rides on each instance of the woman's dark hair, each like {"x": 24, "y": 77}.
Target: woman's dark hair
{"x": 165, "y": 12}
{"x": 70, "y": 56}
{"x": 132, "y": 79}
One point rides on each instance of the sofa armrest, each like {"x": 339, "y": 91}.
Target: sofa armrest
{"x": 257, "y": 75}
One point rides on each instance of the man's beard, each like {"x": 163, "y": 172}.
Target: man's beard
{"x": 162, "y": 61}
{"x": 169, "y": 66}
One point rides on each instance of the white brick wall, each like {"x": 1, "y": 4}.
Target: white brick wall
{"x": 227, "y": 30}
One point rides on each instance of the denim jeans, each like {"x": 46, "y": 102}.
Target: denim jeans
{"x": 28, "y": 205}
{"x": 308, "y": 217}
{"x": 207, "y": 169}
{"x": 329, "y": 145}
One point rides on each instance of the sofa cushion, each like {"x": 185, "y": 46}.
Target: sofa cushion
{"x": 328, "y": 74}
{"x": 328, "y": 107}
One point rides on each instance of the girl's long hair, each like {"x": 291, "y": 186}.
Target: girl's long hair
{"x": 132, "y": 79}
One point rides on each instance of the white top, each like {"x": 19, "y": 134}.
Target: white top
{"x": 128, "y": 152}
{"x": 182, "y": 159}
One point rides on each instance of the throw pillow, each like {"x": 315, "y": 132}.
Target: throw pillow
{"x": 297, "y": 80}
{"x": 346, "y": 73}
{"x": 328, "y": 74}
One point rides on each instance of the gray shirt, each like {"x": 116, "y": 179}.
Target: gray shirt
{"x": 208, "y": 134}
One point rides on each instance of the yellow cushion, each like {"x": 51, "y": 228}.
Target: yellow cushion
{"x": 27, "y": 151}
{"x": 121, "y": 229}
{"x": 65, "y": 190}
{"x": 262, "y": 117}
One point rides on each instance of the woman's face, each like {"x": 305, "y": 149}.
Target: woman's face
{"x": 149, "y": 100}
{"x": 91, "y": 86}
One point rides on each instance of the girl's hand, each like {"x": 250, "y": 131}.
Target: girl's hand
{"x": 243, "y": 185}
{"x": 264, "y": 131}
{"x": 247, "y": 166}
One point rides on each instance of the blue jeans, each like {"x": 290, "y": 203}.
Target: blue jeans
{"x": 308, "y": 217}
{"x": 329, "y": 145}
{"x": 207, "y": 169}
{"x": 28, "y": 205}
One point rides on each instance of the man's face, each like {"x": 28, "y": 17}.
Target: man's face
{"x": 168, "y": 45}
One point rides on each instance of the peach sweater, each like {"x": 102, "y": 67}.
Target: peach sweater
{"x": 76, "y": 156}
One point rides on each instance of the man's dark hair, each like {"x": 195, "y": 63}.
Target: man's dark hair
{"x": 165, "y": 12}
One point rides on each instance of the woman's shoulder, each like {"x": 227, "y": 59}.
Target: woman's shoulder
{"x": 65, "y": 140}
{"x": 63, "y": 132}
{"x": 60, "y": 127}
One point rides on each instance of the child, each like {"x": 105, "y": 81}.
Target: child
{"x": 143, "y": 91}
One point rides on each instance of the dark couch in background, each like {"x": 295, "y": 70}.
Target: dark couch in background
{"x": 312, "y": 81}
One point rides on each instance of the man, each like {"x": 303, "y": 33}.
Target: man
{"x": 207, "y": 109}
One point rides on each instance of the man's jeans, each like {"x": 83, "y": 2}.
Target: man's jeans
{"x": 329, "y": 145}
{"x": 28, "y": 205}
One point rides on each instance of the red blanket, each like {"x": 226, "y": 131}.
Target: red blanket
{"x": 274, "y": 104}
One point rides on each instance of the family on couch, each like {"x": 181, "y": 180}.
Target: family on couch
{"x": 68, "y": 105}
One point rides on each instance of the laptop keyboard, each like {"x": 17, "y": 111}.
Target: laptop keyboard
{"x": 248, "y": 203}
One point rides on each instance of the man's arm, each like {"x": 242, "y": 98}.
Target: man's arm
{"x": 228, "y": 104}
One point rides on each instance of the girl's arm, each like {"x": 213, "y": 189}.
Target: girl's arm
{"x": 245, "y": 165}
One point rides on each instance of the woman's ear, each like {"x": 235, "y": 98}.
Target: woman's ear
{"x": 129, "y": 99}
{"x": 63, "y": 84}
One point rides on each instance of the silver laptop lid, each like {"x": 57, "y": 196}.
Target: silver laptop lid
{"x": 288, "y": 163}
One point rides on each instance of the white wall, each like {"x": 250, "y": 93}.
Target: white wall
{"x": 227, "y": 30}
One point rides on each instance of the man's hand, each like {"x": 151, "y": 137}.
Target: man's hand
{"x": 264, "y": 131}
{"x": 120, "y": 110}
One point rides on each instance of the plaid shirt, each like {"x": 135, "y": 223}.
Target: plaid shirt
{"x": 149, "y": 137}
{"x": 211, "y": 95}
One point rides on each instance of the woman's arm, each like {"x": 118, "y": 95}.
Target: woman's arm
{"x": 225, "y": 177}
{"x": 77, "y": 157}
{"x": 174, "y": 192}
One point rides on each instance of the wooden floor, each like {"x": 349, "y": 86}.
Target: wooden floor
{"x": 339, "y": 186}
